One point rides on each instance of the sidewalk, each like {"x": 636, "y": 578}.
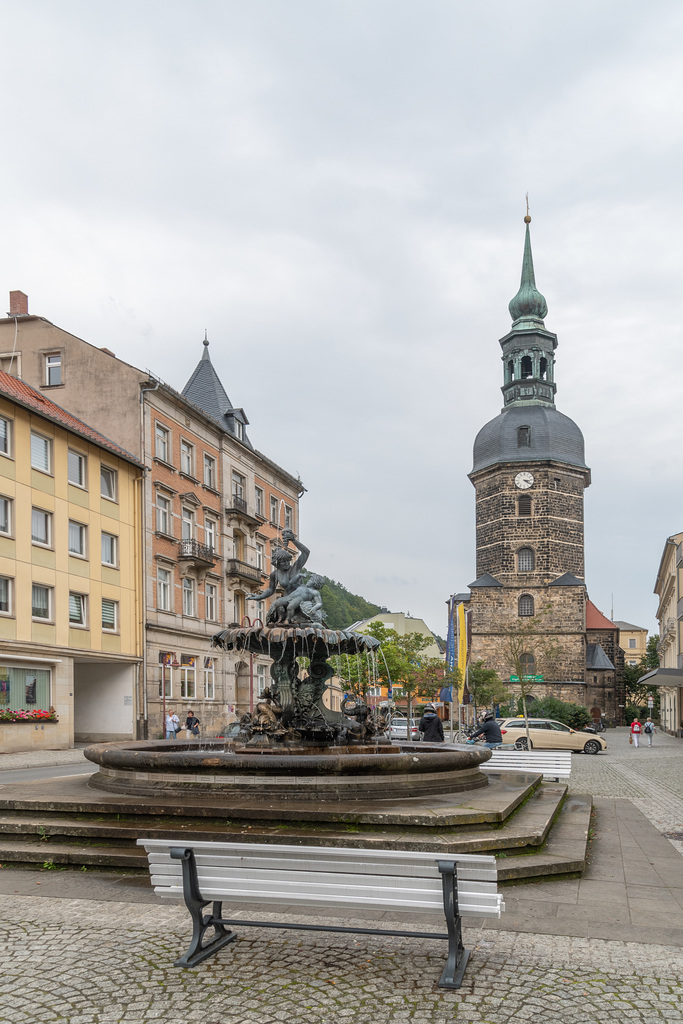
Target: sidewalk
{"x": 606, "y": 947}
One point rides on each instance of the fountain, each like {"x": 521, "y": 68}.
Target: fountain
{"x": 292, "y": 750}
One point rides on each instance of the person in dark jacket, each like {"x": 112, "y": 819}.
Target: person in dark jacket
{"x": 430, "y": 725}
{"x": 490, "y": 729}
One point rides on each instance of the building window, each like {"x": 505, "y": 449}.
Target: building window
{"x": 166, "y": 682}
{"x": 238, "y": 605}
{"x": 41, "y": 602}
{"x": 109, "y": 549}
{"x": 631, "y": 643}
{"x": 210, "y": 476}
{"x": 188, "y": 524}
{"x": 260, "y": 500}
{"x": 524, "y": 505}
{"x": 261, "y": 679}
{"x": 238, "y": 428}
{"x": 40, "y": 453}
{"x": 5, "y": 436}
{"x": 163, "y": 515}
{"x": 188, "y": 670}
{"x": 108, "y": 483}
{"x": 289, "y": 518}
{"x": 209, "y": 678}
{"x": 524, "y": 437}
{"x": 528, "y": 665}
{"x": 161, "y": 442}
{"x": 24, "y": 688}
{"x": 632, "y": 663}
{"x": 77, "y": 610}
{"x": 164, "y": 590}
{"x": 210, "y": 533}
{"x": 187, "y": 458}
{"x": 110, "y": 615}
{"x": 525, "y": 605}
{"x": 557, "y": 483}
{"x": 274, "y": 510}
{"x": 76, "y": 468}
{"x": 525, "y": 560}
{"x": 238, "y": 485}
{"x": 5, "y": 598}
{"x": 77, "y": 539}
{"x": 6, "y": 517}
{"x": 41, "y": 527}
{"x": 53, "y": 369}
{"x": 211, "y": 602}
{"x": 260, "y": 556}
{"x": 188, "y": 596}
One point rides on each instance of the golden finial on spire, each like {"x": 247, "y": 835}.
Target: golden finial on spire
{"x": 527, "y": 219}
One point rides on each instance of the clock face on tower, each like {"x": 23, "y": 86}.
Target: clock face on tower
{"x": 524, "y": 480}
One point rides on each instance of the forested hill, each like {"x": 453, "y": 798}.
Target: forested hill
{"x": 342, "y": 608}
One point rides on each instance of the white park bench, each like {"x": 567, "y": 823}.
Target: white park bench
{"x": 553, "y": 764}
{"x": 261, "y": 874}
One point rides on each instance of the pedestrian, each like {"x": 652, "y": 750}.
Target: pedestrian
{"x": 649, "y": 730}
{"x": 490, "y": 730}
{"x": 430, "y": 725}
{"x": 172, "y": 725}
{"x": 636, "y": 729}
{"x": 191, "y": 725}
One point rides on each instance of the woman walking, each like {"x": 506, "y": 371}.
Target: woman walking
{"x": 636, "y": 729}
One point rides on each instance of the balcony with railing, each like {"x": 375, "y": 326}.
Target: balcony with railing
{"x": 243, "y": 571}
{"x": 191, "y": 550}
{"x": 238, "y": 510}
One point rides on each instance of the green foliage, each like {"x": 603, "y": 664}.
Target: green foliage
{"x": 651, "y": 658}
{"x": 637, "y": 692}
{"x": 574, "y": 715}
{"x": 342, "y": 608}
{"x": 485, "y": 686}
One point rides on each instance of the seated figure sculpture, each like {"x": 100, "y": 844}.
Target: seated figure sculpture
{"x": 301, "y": 600}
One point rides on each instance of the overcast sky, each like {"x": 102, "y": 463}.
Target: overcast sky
{"x": 335, "y": 190}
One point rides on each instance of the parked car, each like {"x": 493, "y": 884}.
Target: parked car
{"x": 399, "y": 728}
{"x": 546, "y": 734}
{"x": 230, "y": 732}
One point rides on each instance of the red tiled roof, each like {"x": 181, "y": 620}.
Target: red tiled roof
{"x": 23, "y": 394}
{"x": 595, "y": 619}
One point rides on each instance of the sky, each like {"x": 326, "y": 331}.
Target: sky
{"x": 335, "y": 191}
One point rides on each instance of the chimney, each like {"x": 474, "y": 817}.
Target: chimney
{"x": 18, "y": 304}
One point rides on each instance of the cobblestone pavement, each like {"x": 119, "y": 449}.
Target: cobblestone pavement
{"x": 651, "y": 777}
{"x": 77, "y": 961}
{"x": 41, "y": 758}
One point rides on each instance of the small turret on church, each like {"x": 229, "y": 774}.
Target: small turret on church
{"x": 529, "y": 473}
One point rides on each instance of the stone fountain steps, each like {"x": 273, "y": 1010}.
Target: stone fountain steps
{"x": 522, "y": 843}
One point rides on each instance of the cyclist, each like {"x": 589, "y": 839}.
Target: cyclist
{"x": 490, "y": 729}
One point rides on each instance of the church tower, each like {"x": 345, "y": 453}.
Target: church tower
{"x": 529, "y": 474}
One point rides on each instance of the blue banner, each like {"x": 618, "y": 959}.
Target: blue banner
{"x": 450, "y": 638}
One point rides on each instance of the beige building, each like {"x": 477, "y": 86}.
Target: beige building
{"x": 70, "y": 577}
{"x": 213, "y": 507}
{"x": 632, "y": 641}
{"x": 669, "y": 676}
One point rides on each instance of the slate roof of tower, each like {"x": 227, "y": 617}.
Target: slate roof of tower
{"x": 23, "y": 394}
{"x": 487, "y": 580}
{"x": 568, "y": 579}
{"x": 596, "y": 657}
{"x": 553, "y": 436}
{"x": 629, "y": 625}
{"x": 205, "y": 390}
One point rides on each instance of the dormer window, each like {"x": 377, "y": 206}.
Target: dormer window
{"x": 524, "y": 437}
{"x": 238, "y": 429}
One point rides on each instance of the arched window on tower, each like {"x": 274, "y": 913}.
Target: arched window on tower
{"x": 528, "y": 666}
{"x": 544, "y": 368}
{"x": 525, "y": 605}
{"x": 527, "y": 369}
{"x": 525, "y": 560}
{"x": 524, "y": 437}
{"x": 511, "y": 370}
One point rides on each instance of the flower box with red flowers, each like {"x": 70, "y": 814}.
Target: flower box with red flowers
{"x": 28, "y": 716}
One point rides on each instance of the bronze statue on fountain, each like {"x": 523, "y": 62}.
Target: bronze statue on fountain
{"x": 291, "y": 711}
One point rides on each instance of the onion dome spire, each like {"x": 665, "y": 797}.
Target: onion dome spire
{"x": 528, "y": 308}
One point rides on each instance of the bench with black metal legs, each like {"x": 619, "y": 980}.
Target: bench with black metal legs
{"x": 269, "y": 875}
{"x": 552, "y": 764}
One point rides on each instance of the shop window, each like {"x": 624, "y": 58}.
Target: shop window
{"x": 24, "y": 688}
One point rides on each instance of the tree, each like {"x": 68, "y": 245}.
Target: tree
{"x": 485, "y": 686}
{"x": 530, "y": 650}
{"x": 636, "y": 692}
{"x": 576, "y": 716}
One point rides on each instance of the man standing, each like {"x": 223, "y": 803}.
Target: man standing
{"x": 649, "y": 730}
{"x": 191, "y": 726}
{"x": 636, "y": 729}
{"x": 430, "y": 725}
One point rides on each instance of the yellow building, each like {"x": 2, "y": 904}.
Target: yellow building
{"x": 633, "y": 641}
{"x": 669, "y": 676}
{"x": 70, "y": 577}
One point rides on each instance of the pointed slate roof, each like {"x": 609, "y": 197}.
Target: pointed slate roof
{"x": 596, "y": 657}
{"x": 568, "y": 579}
{"x": 205, "y": 390}
{"x": 487, "y": 580}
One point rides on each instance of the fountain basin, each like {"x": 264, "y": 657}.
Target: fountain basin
{"x": 384, "y": 771}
